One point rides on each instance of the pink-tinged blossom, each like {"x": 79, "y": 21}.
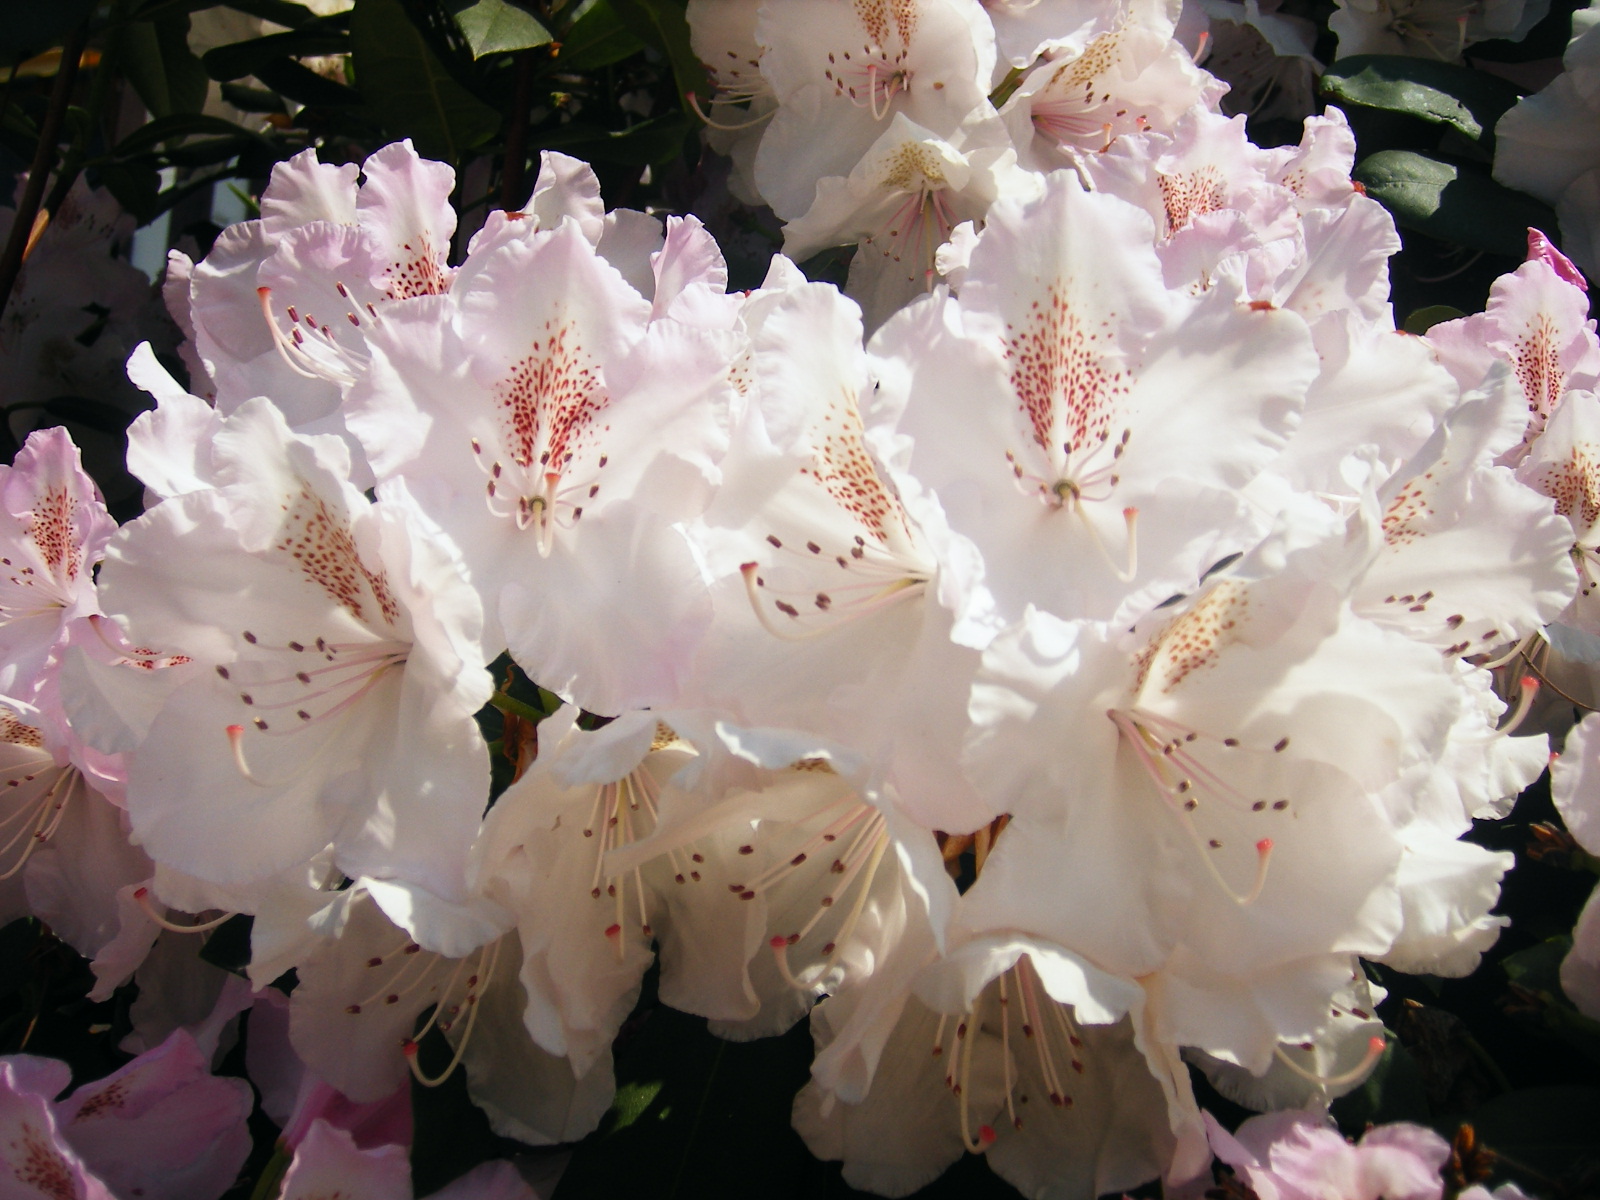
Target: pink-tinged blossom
{"x": 35, "y": 1160}
{"x": 1025, "y": 29}
{"x": 1300, "y": 1156}
{"x": 1088, "y": 430}
{"x": 900, "y": 204}
{"x": 1239, "y": 742}
{"x": 558, "y": 434}
{"x": 1537, "y": 322}
{"x": 1124, "y": 79}
{"x": 335, "y": 671}
{"x": 281, "y": 305}
{"x": 1564, "y": 466}
{"x": 328, "y": 1163}
{"x": 53, "y": 530}
{"x": 833, "y": 613}
{"x": 161, "y": 1127}
{"x": 840, "y": 69}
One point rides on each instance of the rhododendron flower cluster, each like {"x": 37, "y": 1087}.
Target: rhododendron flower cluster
{"x": 1063, "y": 656}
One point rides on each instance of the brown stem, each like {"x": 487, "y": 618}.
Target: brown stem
{"x": 514, "y": 169}
{"x": 43, "y": 157}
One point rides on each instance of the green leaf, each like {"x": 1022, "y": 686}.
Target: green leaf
{"x": 298, "y": 82}
{"x": 239, "y": 59}
{"x": 134, "y": 185}
{"x": 654, "y": 141}
{"x": 1436, "y": 92}
{"x": 596, "y": 39}
{"x": 281, "y": 12}
{"x": 408, "y": 90}
{"x": 252, "y": 99}
{"x": 147, "y": 137}
{"x": 664, "y": 25}
{"x": 160, "y": 68}
{"x": 1423, "y": 319}
{"x": 1451, "y": 202}
{"x": 495, "y": 27}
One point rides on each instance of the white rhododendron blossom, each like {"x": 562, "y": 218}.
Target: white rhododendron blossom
{"x": 1073, "y": 655}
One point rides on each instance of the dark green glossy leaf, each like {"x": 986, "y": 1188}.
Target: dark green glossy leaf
{"x": 1424, "y": 319}
{"x": 406, "y": 87}
{"x": 662, "y": 23}
{"x": 596, "y": 39}
{"x": 238, "y": 59}
{"x": 147, "y": 137}
{"x": 495, "y": 27}
{"x": 1436, "y": 92}
{"x": 159, "y": 66}
{"x": 252, "y": 99}
{"x": 300, "y": 83}
{"x": 1454, "y": 203}
{"x": 135, "y": 186}
{"x": 280, "y": 12}
{"x": 653, "y": 141}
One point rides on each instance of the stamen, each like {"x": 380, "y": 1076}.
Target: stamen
{"x": 1375, "y": 1048}
{"x": 1529, "y": 689}
{"x": 694, "y": 104}
{"x": 141, "y": 896}
{"x": 236, "y": 740}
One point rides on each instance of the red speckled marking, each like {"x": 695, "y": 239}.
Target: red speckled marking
{"x": 39, "y": 1165}
{"x": 418, "y": 275}
{"x": 1402, "y": 520}
{"x": 875, "y": 16}
{"x": 108, "y": 1099}
{"x": 1187, "y": 196}
{"x": 1195, "y": 639}
{"x": 551, "y": 397}
{"x": 15, "y": 733}
{"x": 51, "y": 531}
{"x": 841, "y": 464}
{"x": 1574, "y": 485}
{"x": 326, "y": 551}
{"x": 1058, "y": 373}
{"x": 1538, "y": 367}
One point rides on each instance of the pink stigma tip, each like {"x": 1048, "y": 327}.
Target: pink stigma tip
{"x": 778, "y": 942}
{"x": 235, "y": 730}
{"x": 140, "y": 893}
{"x": 1264, "y": 846}
{"x": 613, "y": 930}
{"x": 986, "y": 1135}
